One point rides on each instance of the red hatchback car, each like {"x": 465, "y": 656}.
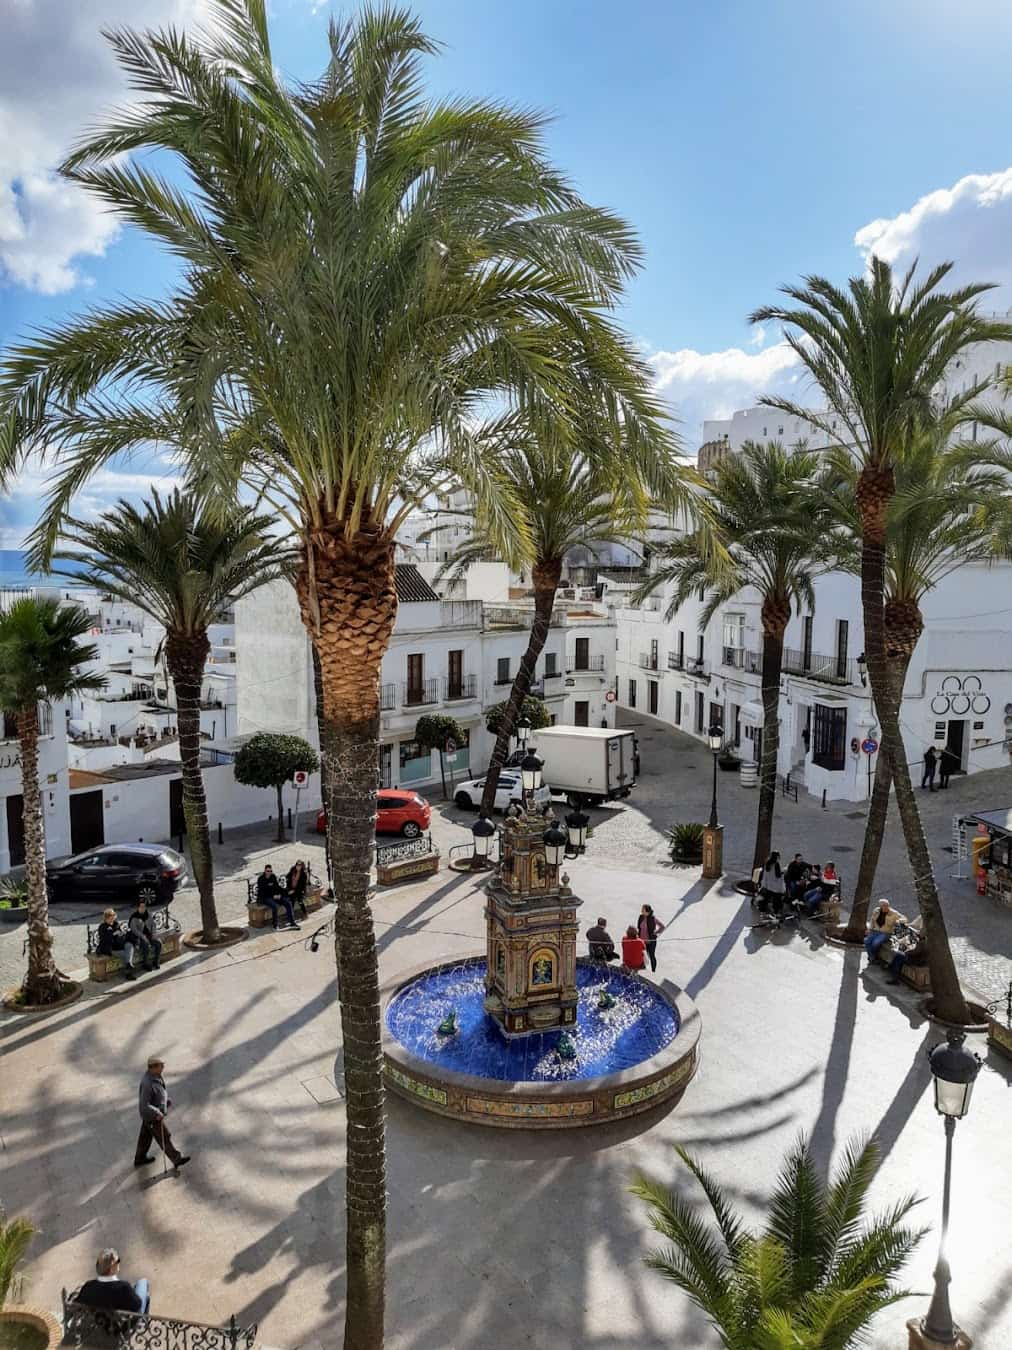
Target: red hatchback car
{"x": 398, "y": 812}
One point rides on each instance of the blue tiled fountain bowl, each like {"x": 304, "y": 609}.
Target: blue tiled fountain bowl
{"x": 630, "y": 1057}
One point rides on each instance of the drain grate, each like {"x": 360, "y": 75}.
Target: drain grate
{"x": 842, "y": 848}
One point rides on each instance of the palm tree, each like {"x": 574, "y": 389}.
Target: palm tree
{"x": 182, "y": 563}
{"x": 369, "y": 277}
{"x": 815, "y": 1275}
{"x": 877, "y": 351}
{"x": 571, "y": 492}
{"x": 762, "y": 526}
{"x": 40, "y": 651}
{"x": 951, "y": 508}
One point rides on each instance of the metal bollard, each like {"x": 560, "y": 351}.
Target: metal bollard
{"x": 823, "y": 799}
{"x": 289, "y": 817}
{"x": 221, "y": 837}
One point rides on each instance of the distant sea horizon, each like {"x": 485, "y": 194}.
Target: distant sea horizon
{"x": 14, "y": 571}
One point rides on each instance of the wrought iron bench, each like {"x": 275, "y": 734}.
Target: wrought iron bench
{"x": 83, "y": 1325}
{"x": 260, "y": 915}
{"x": 166, "y": 929}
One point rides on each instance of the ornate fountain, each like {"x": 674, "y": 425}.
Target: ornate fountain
{"x": 528, "y": 1035}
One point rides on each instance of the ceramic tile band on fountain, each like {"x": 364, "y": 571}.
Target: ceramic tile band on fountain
{"x": 528, "y": 1036}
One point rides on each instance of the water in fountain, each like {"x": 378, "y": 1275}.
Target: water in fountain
{"x": 607, "y": 1040}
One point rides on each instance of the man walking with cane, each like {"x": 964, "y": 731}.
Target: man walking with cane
{"x": 153, "y": 1102}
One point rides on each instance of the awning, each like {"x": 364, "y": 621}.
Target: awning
{"x": 997, "y": 820}
{"x": 751, "y": 712}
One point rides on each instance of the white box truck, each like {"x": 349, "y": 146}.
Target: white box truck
{"x": 597, "y": 763}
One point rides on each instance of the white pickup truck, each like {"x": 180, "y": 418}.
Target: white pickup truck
{"x": 597, "y": 764}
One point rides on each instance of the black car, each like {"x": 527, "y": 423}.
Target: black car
{"x": 115, "y": 873}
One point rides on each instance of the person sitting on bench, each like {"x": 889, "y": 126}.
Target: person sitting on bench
{"x": 796, "y": 876}
{"x": 110, "y": 1290}
{"x": 296, "y": 883}
{"x": 115, "y": 941}
{"x": 143, "y": 934}
{"x": 634, "y": 951}
{"x": 881, "y": 926}
{"x": 912, "y": 949}
{"x": 601, "y": 946}
{"x": 269, "y": 892}
{"x": 821, "y": 891}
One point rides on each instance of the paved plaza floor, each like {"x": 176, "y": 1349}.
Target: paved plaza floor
{"x": 519, "y": 1239}
{"x": 524, "y": 1240}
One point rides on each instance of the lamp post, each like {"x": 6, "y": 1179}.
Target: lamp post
{"x": 576, "y": 826}
{"x": 554, "y": 840}
{"x": 523, "y": 730}
{"x": 713, "y": 833}
{"x": 862, "y": 668}
{"x": 530, "y": 773}
{"x": 954, "y": 1069}
{"x": 481, "y": 834}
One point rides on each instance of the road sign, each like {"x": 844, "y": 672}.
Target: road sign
{"x": 451, "y": 746}
{"x": 869, "y": 746}
{"x": 300, "y": 778}
{"x": 610, "y": 696}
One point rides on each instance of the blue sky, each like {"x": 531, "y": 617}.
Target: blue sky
{"x": 748, "y": 141}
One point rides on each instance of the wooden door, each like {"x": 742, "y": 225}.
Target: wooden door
{"x": 87, "y": 821}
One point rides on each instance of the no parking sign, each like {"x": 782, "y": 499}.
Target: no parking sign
{"x": 869, "y": 745}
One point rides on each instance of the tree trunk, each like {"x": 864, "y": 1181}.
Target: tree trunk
{"x": 279, "y": 788}
{"x": 42, "y": 981}
{"x": 775, "y": 617}
{"x": 442, "y": 772}
{"x": 185, "y": 656}
{"x": 875, "y": 488}
{"x": 349, "y": 603}
{"x": 545, "y": 575}
{"x": 318, "y": 690}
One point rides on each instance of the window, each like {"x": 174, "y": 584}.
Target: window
{"x": 454, "y": 674}
{"x": 699, "y": 650}
{"x": 829, "y": 737}
{"x": 415, "y": 660}
{"x": 734, "y": 639}
{"x": 551, "y": 663}
{"x": 652, "y": 696}
{"x": 502, "y": 670}
{"x": 632, "y": 693}
{"x": 842, "y": 632}
{"x": 653, "y": 653}
{"x": 681, "y": 648}
{"x": 806, "y": 642}
{"x": 678, "y": 707}
{"x": 410, "y": 750}
{"x": 582, "y": 658}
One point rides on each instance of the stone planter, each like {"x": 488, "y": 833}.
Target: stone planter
{"x": 15, "y": 914}
{"x": 979, "y": 1014}
{"x": 48, "y": 1331}
{"x": 729, "y": 765}
{"x": 999, "y": 1034}
{"x": 72, "y": 992}
{"x": 688, "y": 857}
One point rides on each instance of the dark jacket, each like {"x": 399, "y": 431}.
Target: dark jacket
{"x": 267, "y": 886}
{"x": 152, "y": 1098}
{"x": 601, "y": 945}
{"x": 297, "y": 889}
{"x": 140, "y": 927}
{"x": 110, "y": 1294}
{"x": 111, "y": 938}
{"x": 795, "y": 871}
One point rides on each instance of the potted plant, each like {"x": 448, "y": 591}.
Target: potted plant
{"x": 13, "y": 901}
{"x": 686, "y": 842}
{"x": 727, "y": 758}
{"x": 21, "y": 1327}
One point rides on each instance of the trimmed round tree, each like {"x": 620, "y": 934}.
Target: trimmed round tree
{"x": 269, "y": 759}
{"x": 433, "y": 730}
{"x": 532, "y": 710}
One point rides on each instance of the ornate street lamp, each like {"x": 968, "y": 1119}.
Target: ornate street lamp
{"x": 530, "y": 772}
{"x": 481, "y": 834}
{"x": 862, "y": 668}
{"x": 554, "y": 840}
{"x": 954, "y": 1069}
{"x": 713, "y": 831}
{"x": 715, "y": 738}
{"x": 523, "y": 730}
{"x": 576, "y": 825}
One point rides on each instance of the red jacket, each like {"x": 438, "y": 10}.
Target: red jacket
{"x": 634, "y": 951}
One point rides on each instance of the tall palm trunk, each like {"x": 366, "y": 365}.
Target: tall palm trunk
{"x": 545, "y": 576}
{"x": 42, "y": 982}
{"x": 349, "y": 604}
{"x": 903, "y": 625}
{"x": 874, "y": 490}
{"x": 776, "y": 613}
{"x": 324, "y": 788}
{"x": 185, "y": 656}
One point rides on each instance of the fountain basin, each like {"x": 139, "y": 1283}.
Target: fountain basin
{"x": 630, "y": 1058}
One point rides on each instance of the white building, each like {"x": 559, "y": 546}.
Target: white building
{"x": 445, "y": 656}
{"x": 53, "y": 784}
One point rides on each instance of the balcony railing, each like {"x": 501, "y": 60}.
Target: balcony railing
{"x": 741, "y": 658}
{"x": 465, "y": 687}
{"x": 417, "y": 694}
{"x": 388, "y": 697}
{"x": 591, "y": 663}
{"x": 819, "y": 666}
{"x": 696, "y": 665}
{"x": 515, "y": 616}
{"x": 649, "y": 661}
{"x": 676, "y": 660}
{"x": 10, "y": 726}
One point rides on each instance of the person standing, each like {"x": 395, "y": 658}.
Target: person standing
{"x": 946, "y": 764}
{"x": 153, "y": 1103}
{"x": 774, "y": 887}
{"x": 930, "y": 764}
{"x": 649, "y": 927}
{"x": 139, "y": 924}
{"x": 109, "y": 1289}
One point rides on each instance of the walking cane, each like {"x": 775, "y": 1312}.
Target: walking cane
{"x": 165, "y": 1161}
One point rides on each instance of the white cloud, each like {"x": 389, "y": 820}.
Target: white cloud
{"x": 758, "y": 337}
{"x": 713, "y": 384}
{"x": 969, "y": 223}
{"x": 57, "y": 77}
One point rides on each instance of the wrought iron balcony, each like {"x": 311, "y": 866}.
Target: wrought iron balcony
{"x": 592, "y": 664}
{"x": 649, "y": 661}
{"x": 741, "y": 658}
{"x": 676, "y": 660}
{"x": 818, "y": 666}
{"x": 414, "y": 695}
{"x": 10, "y": 726}
{"x": 464, "y": 687}
{"x": 388, "y": 697}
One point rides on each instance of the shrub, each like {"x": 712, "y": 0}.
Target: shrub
{"x": 686, "y": 841}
